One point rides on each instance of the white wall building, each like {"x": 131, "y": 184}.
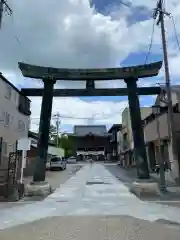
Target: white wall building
{"x": 14, "y": 118}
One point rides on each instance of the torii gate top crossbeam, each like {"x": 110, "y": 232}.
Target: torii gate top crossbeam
{"x": 90, "y": 93}
{"x": 140, "y": 71}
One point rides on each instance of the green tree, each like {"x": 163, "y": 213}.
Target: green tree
{"x": 67, "y": 144}
{"x": 52, "y": 132}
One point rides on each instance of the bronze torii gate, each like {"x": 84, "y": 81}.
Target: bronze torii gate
{"x": 129, "y": 74}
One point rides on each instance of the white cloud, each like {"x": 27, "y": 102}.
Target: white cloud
{"x": 73, "y": 109}
{"x": 68, "y": 33}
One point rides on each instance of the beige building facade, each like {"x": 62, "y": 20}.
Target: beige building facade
{"x": 126, "y": 123}
{"x": 151, "y": 135}
{"x": 127, "y": 135}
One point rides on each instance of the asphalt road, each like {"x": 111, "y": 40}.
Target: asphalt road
{"x": 56, "y": 178}
{"x": 91, "y": 227}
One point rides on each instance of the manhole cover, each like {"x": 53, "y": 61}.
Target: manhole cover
{"x": 95, "y": 183}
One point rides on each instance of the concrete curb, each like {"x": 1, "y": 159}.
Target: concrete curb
{"x": 38, "y": 189}
{"x": 145, "y": 189}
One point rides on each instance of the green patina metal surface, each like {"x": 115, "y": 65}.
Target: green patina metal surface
{"x": 139, "y": 71}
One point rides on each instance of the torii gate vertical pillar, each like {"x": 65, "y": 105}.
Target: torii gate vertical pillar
{"x": 45, "y": 119}
{"x": 137, "y": 129}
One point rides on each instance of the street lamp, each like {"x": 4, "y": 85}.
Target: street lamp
{"x": 156, "y": 109}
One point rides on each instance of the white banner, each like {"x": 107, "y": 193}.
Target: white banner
{"x": 90, "y": 152}
{"x": 24, "y": 144}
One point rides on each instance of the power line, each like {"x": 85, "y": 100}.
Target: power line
{"x": 83, "y": 118}
{"x": 151, "y": 42}
{"x": 4, "y": 7}
{"x": 18, "y": 39}
{"x": 175, "y": 32}
{"x": 126, "y": 4}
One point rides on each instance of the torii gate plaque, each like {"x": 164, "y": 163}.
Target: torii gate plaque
{"x": 129, "y": 74}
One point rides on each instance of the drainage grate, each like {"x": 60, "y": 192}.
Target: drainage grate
{"x": 62, "y": 201}
{"x": 95, "y": 183}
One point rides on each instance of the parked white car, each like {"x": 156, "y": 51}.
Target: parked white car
{"x": 48, "y": 165}
{"x": 57, "y": 163}
{"x": 71, "y": 159}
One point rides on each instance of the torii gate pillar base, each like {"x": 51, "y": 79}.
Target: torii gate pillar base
{"x": 39, "y": 189}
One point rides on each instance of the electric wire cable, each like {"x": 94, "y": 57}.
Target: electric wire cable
{"x": 85, "y": 118}
{"x": 19, "y": 42}
{"x": 175, "y": 32}
{"x": 151, "y": 43}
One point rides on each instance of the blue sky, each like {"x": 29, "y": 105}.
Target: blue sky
{"x": 107, "y": 6}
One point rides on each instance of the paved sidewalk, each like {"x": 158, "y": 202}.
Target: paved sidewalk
{"x": 91, "y": 228}
{"x": 93, "y": 191}
{"x": 127, "y": 176}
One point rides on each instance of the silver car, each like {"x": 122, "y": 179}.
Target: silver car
{"x": 71, "y": 159}
{"x": 57, "y": 163}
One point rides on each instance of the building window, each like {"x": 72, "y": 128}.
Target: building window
{"x": 8, "y": 92}
{"x": 21, "y": 126}
{"x": 7, "y": 119}
{"x": 4, "y": 148}
{"x": 1, "y": 146}
{"x": 12, "y": 120}
{"x": 24, "y": 105}
{"x": 2, "y": 117}
{"x": 14, "y": 147}
{"x": 15, "y": 97}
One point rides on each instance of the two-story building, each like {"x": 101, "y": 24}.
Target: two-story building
{"x": 127, "y": 136}
{"x": 14, "y": 121}
{"x": 169, "y": 155}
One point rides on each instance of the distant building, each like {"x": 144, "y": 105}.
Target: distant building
{"x": 90, "y": 140}
{"x": 114, "y": 140}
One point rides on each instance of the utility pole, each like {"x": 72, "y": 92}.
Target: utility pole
{"x": 57, "y": 128}
{"x": 159, "y": 13}
{"x": 7, "y": 9}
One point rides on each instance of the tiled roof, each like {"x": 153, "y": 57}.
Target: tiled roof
{"x": 90, "y": 129}
{"x": 115, "y": 126}
{"x": 35, "y": 136}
